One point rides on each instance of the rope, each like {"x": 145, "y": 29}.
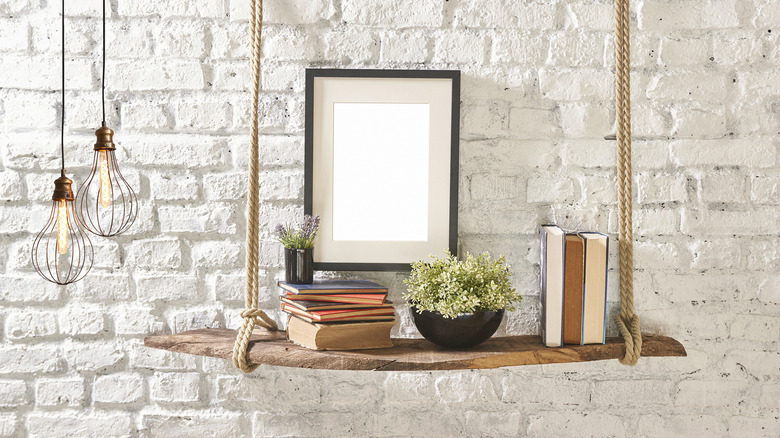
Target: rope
{"x": 252, "y": 313}
{"x": 628, "y": 322}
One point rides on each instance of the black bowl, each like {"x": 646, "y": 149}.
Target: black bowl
{"x": 464, "y": 331}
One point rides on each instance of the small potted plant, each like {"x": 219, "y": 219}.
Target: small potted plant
{"x": 299, "y": 249}
{"x": 459, "y": 304}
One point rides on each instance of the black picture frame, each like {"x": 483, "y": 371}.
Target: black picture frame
{"x": 454, "y": 76}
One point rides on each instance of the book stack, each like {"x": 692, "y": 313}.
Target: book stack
{"x": 338, "y": 314}
{"x": 573, "y": 295}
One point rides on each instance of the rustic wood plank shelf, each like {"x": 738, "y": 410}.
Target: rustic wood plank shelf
{"x": 272, "y": 348}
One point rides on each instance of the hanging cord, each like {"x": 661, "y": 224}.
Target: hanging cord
{"x": 628, "y": 321}
{"x": 62, "y": 121}
{"x": 251, "y": 313}
{"x": 103, "y": 78}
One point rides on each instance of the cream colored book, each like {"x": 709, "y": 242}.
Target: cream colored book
{"x": 594, "y": 298}
{"x": 342, "y": 336}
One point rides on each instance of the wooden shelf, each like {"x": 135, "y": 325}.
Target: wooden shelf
{"x": 272, "y": 348}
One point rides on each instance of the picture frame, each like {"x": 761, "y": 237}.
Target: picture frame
{"x": 381, "y": 166}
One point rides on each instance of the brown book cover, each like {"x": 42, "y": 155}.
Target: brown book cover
{"x": 351, "y": 336}
{"x": 573, "y": 280}
{"x": 340, "y": 315}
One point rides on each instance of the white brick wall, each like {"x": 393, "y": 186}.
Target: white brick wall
{"x": 536, "y": 102}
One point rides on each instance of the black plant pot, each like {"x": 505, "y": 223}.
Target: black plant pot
{"x": 299, "y": 265}
{"x": 464, "y": 331}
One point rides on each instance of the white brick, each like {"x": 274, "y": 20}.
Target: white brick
{"x": 160, "y": 75}
{"x": 30, "y": 359}
{"x": 156, "y": 254}
{"x": 757, "y": 328}
{"x": 724, "y": 187}
{"x": 224, "y": 254}
{"x": 765, "y": 189}
{"x": 551, "y": 189}
{"x": 174, "y": 387}
{"x": 180, "y": 39}
{"x": 764, "y": 256}
{"x": 292, "y": 44}
{"x": 177, "y": 150}
{"x": 93, "y": 356}
{"x": 578, "y": 49}
{"x": 214, "y": 9}
{"x": 118, "y": 388}
{"x": 485, "y": 120}
{"x": 585, "y": 120}
{"x": 702, "y": 393}
{"x": 503, "y": 155}
{"x": 589, "y": 153}
{"x": 275, "y": 77}
{"x": 352, "y": 47}
{"x": 59, "y": 392}
{"x": 685, "y": 51}
{"x": 142, "y": 115}
{"x": 598, "y": 189}
{"x": 407, "y": 47}
{"x": 195, "y": 320}
{"x": 232, "y": 287}
{"x": 17, "y": 70}
{"x": 234, "y": 75}
{"x": 655, "y": 188}
{"x": 460, "y": 47}
{"x": 225, "y": 186}
{"x": 756, "y": 153}
{"x": 598, "y": 16}
{"x": 533, "y": 123}
{"x": 71, "y": 425}
{"x": 223, "y": 424}
{"x": 77, "y": 320}
{"x": 203, "y": 116}
{"x": 103, "y": 288}
{"x": 715, "y": 253}
{"x": 166, "y": 287}
{"x": 400, "y": 14}
{"x": 501, "y": 13}
{"x": 144, "y": 358}
{"x": 285, "y": 11}
{"x": 664, "y": 15}
{"x": 27, "y": 289}
{"x": 133, "y": 320}
{"x": 14, "y": 35}
{"x": 752, "y": 427}
{"x": 575, "y": 84}
{"x": 657, "y": 426}
{"x": 574, "y": 424}
{"x": 487, "y": 187}
{"x": 644, "y": 392}
{"x": 13, "y": 393}
{"x": 209, "y": 218}
{"x": 24, "y": 219}
{"x": 519, "y": 47}
{"x": 547, "y": 391}
{"x": 26, "y": 325}
{"x": 741, "y": 223}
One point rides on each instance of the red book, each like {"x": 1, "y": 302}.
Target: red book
{"x": 374, "y": 299}
{"x": 340, "y": 315}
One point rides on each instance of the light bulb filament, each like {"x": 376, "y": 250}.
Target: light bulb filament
{"x": 62, "y": 227}
{"x": 105, "y": 181}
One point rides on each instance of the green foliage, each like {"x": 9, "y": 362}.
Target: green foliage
{"x": 451, "y": 287}
{"x": 300, "y": 237}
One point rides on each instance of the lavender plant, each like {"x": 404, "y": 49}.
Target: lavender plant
{"x": 301, "y": 237}
{"x": 451, "y": 287}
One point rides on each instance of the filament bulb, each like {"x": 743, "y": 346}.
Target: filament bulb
{"x": 105, "y": 181}
{"x": 62, "y": 227}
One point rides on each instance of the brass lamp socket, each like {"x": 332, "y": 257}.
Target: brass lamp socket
{"x": 105, "y": 139}
{"x": 62, "y": 189}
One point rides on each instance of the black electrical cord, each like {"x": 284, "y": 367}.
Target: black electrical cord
{"x": 103, "y": 79}
{"x": 62, "y": 124}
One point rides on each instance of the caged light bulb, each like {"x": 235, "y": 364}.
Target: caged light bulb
{"x": 105, "y": 180}
{"x": 61, "y": 252}
{"x": 106, "y": 204}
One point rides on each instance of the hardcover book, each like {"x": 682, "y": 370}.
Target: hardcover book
{"x": 551, "y": 295}
{"x": 594, "y": 299}
{"x": 309, "y": 306}
{"x": 375, "y": 299}
{"x": 573, "y": 281}
{"x": 348, "y": 336}
{"x": 341, "y": 315}
{"x": 335, "y": 287}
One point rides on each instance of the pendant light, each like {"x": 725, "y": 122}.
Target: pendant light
{"x": 106, "y": 203}
{"x": 62, "y": 252}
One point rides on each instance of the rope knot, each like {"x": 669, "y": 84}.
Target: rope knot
{"x": 632, "y": 335}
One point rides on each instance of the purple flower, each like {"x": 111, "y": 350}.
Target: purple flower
{"x": 280, "y": 230}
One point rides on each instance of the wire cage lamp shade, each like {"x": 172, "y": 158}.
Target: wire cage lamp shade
{"x": 62, "y": 252}
{"x": 106, "y": 203}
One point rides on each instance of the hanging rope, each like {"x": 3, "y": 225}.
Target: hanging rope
{"x": 251, "y": 313}
{"x": 628, "y": 321}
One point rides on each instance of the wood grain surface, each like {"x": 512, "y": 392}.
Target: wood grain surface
{"x": 272, "y": 348}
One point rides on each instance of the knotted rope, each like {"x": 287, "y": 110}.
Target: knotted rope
{"x": 252, "y": 313}
{"x": 628, "y": 322}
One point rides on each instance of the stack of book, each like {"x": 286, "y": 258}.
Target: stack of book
{"x": 338, "y": 314}
{"x": 573, "y": 295}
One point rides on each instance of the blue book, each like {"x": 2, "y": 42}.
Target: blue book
{"x": 335, "y": 287}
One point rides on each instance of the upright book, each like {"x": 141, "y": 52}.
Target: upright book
{"x": 335, "y": 287}
{"x": 348, "y": 336}
{"x": 551, "y": 295}
{"x": 573, "y": 278}
{"x": 594, "y": 298}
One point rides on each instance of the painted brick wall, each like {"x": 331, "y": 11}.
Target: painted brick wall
{"x": 537, "y": 101}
